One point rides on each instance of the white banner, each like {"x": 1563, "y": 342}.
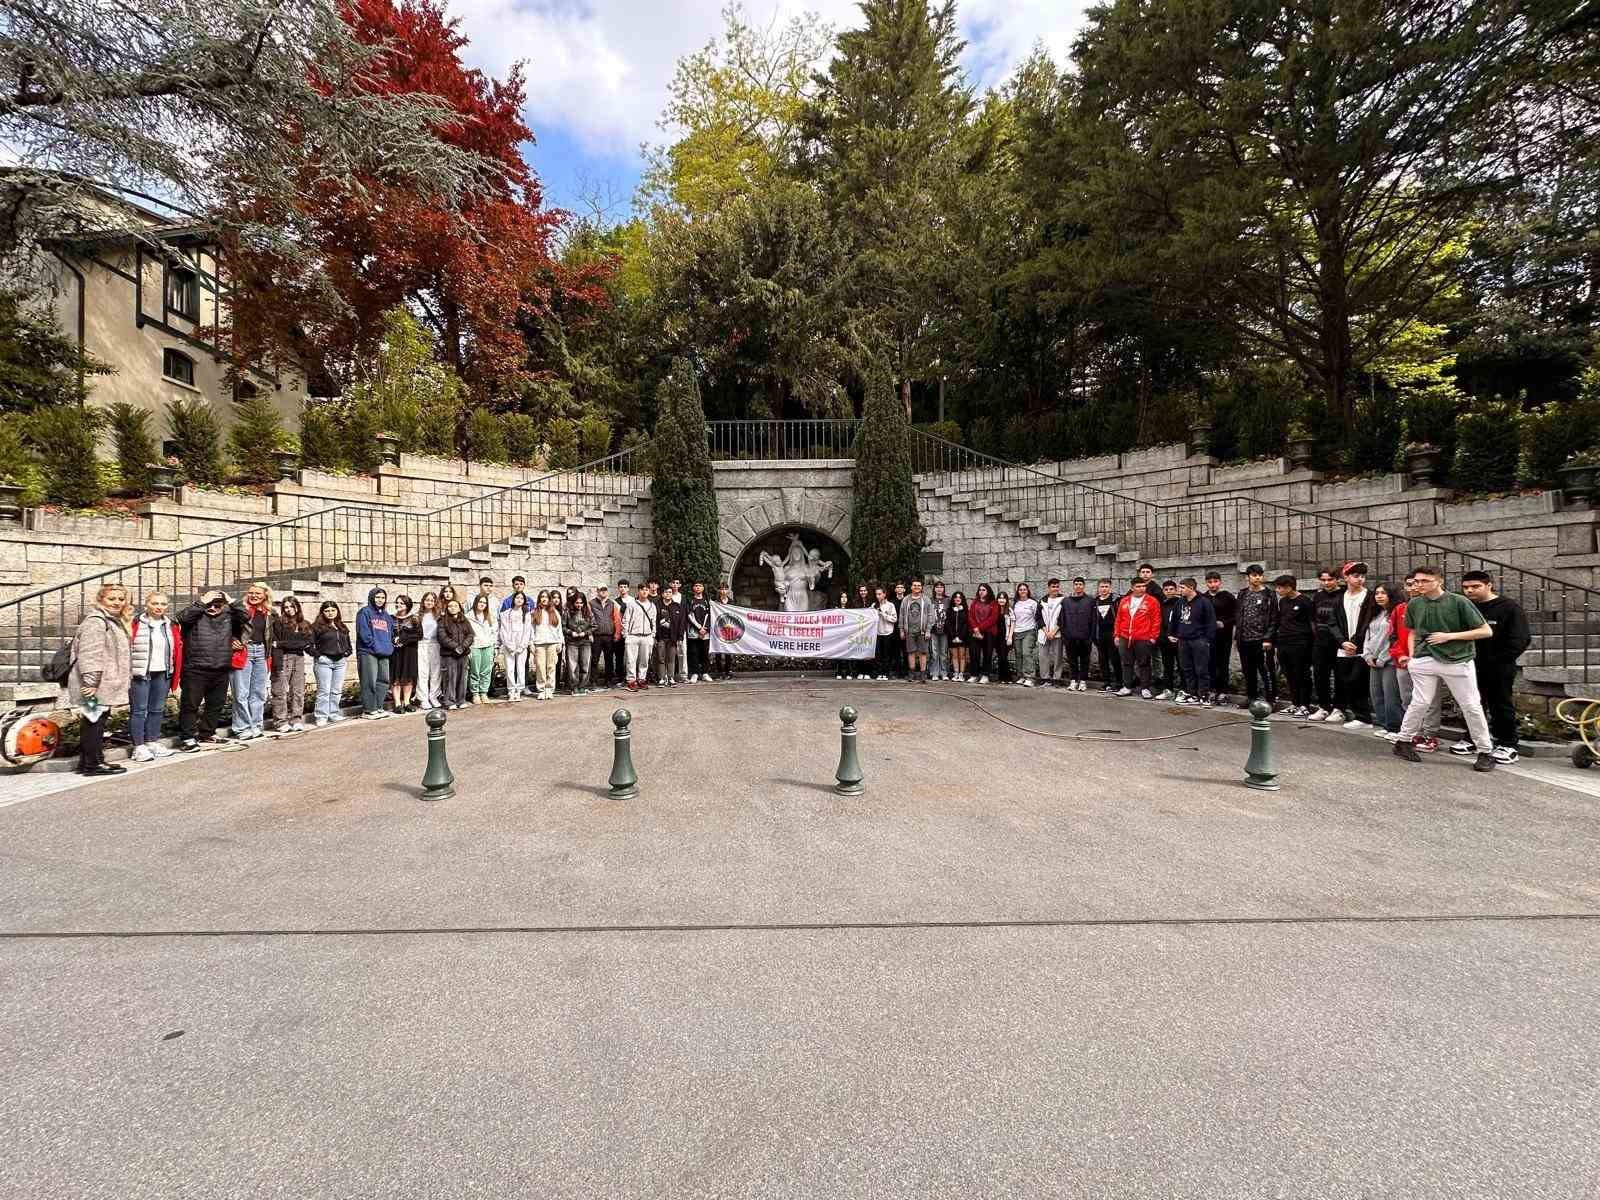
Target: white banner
{"x": 825, "y": 633}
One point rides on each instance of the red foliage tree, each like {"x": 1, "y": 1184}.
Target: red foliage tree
{"x": 476, "y": 272}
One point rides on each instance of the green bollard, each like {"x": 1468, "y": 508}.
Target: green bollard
{"x": 1260, "y": 770}
{"x": 624, "y": 782}
{"x": 848, "y": 775}
{"x": 437, "y": 781}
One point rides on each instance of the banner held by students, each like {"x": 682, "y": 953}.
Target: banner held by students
{"x": 823, "y": 633}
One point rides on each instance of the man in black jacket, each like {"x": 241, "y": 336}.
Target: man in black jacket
{"x": 212, "y": 629}
{"x": 1496, "y": 662}
{"x": 1224, "y": 606}
{"x": 1324, "y": 642}
{"x": 1292, "y": 639}
{"x": 1171, "y": 681}
{"x": 1104, "y": 602}
{"x": 1257, "y": 615}
{"x": 1351, "y": 616}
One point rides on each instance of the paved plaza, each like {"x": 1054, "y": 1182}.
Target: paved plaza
{"x": 1019, "y": 965}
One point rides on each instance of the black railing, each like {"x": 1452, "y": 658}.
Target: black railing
{"x": 1194, "y": 533}
{"x": 782, "y": 440}
{"x": 33, "y": 625}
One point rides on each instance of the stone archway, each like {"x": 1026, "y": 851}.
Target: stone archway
{"x": 798, "y": 507}
{"x": 752, "y": 583}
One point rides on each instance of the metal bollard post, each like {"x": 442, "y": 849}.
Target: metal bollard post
{"x": 1260, "y": 770}
{"x": 437, "y": 781}
{"x": 624, "y": 782}
{"x": 849, "y": 774}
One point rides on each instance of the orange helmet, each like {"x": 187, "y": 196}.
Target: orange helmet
{"x": 30, "y": 740}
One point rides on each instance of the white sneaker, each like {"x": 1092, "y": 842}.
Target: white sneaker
{"x": 321, "y": 721}
{"x": 983, "y": 679}
{"x": 337, "y": 717}
{"x": 1506, "y": 754}
{"x": 1125, "y": 691}
{"x": 298, "y": 727}
{"x": 157, "y": 750}
{"x": 1380, "y": 733}
{"x": 1144, "y": 694}
{"x": 142, "y": 753}
{"x": 1027, "y": 683}
{"x": 1464, "y": 748}
{"x": 1083, "y": 685}
{"x": 1167, "y": 695}
{"x": 882, "y": 678}
{"x": 1320, "y": 715}
{"x": 366, "y": 716}
{"x": 1355, "y": 723}
{"x": 1336, "y": 717}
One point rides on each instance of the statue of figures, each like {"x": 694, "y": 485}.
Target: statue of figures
{"x": 795, "y": 575}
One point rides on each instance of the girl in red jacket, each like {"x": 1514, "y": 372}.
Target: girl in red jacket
{"x": 984, "y": 620}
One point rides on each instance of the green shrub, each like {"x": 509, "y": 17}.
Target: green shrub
{"x": 1378, "y": 430}
{"x": 594, "y": 438}
{"x": 1252, "y": 411}
{"x": 1428, "y": 417}
{"x": 362, "y": 425}
{"x": 136, "y": 445}
{"x": 484, "y": 442}
{"x": 886, "y": 536}
{"x": 63, "y": 439}
{"x": 199, "y": 440}
{"x": 521, "y": 434}
{"x": 17, "y": 464}
{"x": 255, "y": 437}
{"x": 441, "y": 418}
{"x": 683, "y": 499}
{"x": 1552, "y": 432}
{"x": 1487, "y": 447}
{"x": 950, "y": 431}
{"x": 987, "y": 436}
{"x": 561, "y": 437}
{"x": 321, "y": 436}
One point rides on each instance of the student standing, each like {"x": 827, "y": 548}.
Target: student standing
{"x": 578, "y": 627}
{"x": 1225, "y": 606}
{"x": 1325, "y": 643}
{"x": 252, "y": 663}
{"x": 898, "y": 650}
{"x": 1170, "y": 683}
{"x": 1025, "y": 634}
{"x": 428, "y": 651}
{"x": 916, "y": 625}
{"x": 331, "y": 650}
{"x": 958, "y": 636}
{"x": 1194, "y": 628}
{"x": 548, "y": 640}
{"x": 1137, "y": 627}
{"x": 608, "y": 669}
{"x": 939, "y": 634}
{"x": 1496, "y": 663}
{"x": 983, "y": 625}
{"x": 699, "y": 615}
{"x": 1444, "y": 628}
{"x": 1106, "y": 607}
{"x": 515, "y": 636}
{"x": 98, "y": 680}
{"x": 1292, "y": 640}
{"x": 1353, "y": 693}
{"x": 723, "y": 670}
{"x": 1376, "y": 652}
{"x": 668, "y": 617}
{"x": 638, "y": 631}
{"x": 374, "y": 648}
{"x": 156, "y": 652}
{"x": 1427, "y": 739}
{"x": 1256, "y": 613}
{"x": 519, "y": 587}
{"x": 1051, "y": 643}
{"x": 1002, "y": 640}
{"x": 864, "y": 667}
{"x": 485, "y": 636}
{"x": 455, "y": 648}
{"x": 842, "y": 666}
{"x": 291, "y": 641}
{"x": 1080, "y": 618}
{"x": 888, "y": 617}
{"x": 403, "y": 666}
{"x": 210, "y": 628}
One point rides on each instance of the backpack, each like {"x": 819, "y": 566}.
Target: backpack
{"x": 59, "y": 668}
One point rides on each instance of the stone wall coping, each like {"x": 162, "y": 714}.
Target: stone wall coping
{"x": 1490, "y": 524}
{"x": 103, "y": 542}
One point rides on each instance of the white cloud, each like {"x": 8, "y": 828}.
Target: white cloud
{"x": 599, "y": 69}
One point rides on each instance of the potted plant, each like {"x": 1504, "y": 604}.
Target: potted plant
{"x": 1301, "y": 447}
{"x": 389, "y": 449}
{"x": 1578, "y": 478}
{"x": 1422, "y": 463}
{"x": 164, "y": 476}
{"x": 287, "y": 456}
{"x": 10, "y": 499}
{"x": 1200, "y": 424}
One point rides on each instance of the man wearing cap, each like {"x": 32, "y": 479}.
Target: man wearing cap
{"x": 211, "y": 630}
{"x": 1256, "y": 617}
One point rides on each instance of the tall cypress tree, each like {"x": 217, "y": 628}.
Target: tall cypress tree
{"x": 683, "y": 495}
{"x": 886, "y": 537}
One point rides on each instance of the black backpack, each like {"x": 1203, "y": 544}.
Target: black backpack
{"x": 59, "y": 668}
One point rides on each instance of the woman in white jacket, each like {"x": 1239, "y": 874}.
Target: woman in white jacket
{"x": 516, "y": 635}
{"x": 548, "y": 638}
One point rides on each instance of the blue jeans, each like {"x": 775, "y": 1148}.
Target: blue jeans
{"x": 1383, "y": 687}
{"x": 147, "y": 704}
{"x": 250, "y": 684}
{"x": 330, "y": 685}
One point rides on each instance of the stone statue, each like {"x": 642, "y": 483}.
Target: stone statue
{"x": 795, "y": 575}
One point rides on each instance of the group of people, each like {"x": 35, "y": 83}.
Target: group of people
{"x": 1347, "y": 653}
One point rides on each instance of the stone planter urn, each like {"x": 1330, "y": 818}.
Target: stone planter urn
{"x": 163, "y": 481}
{"x": 1200, "y": 435}
{"x": 10, "y": 501}
{"x": 389, "y": 449}
{"x": 1577, "y": 484}
{"x": 1422, "y": 463}
{"x": 288, "y": 462}
{"x": 1300, "y": 450}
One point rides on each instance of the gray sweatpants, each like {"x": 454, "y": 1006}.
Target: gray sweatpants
{"x": 1054, "y": 654}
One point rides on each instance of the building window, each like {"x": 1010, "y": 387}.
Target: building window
{"x": 177, "y": 365}
{"x": 183, "y": 293}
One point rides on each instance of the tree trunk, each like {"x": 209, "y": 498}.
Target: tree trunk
{"x": 905, "y": 396}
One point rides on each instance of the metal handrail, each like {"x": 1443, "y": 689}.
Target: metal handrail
{"x": 776, "y": 440}
{"x": 347, "y": 532}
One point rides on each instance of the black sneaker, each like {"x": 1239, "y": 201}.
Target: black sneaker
{"x": 189, "y": 746}
{"x": 1485, "y": 762}
{"x": 1408, "y": 752}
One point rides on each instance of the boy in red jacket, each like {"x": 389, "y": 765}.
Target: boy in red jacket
{"x": 1138, "y": 627}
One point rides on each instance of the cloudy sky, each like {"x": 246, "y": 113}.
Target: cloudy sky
{"x": 598, "y": 69}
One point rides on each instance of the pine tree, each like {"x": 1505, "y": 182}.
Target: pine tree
{"x": 255, "y": 437}
{"x": 886, "y": 537}
{"x": 683, "y": 497}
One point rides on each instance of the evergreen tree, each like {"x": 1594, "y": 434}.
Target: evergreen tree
{"x": 136, "y": 445}
{"x": 683, "y": 497}
{"x": 886, "y": 537}
{"x": 255, "y": 437}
